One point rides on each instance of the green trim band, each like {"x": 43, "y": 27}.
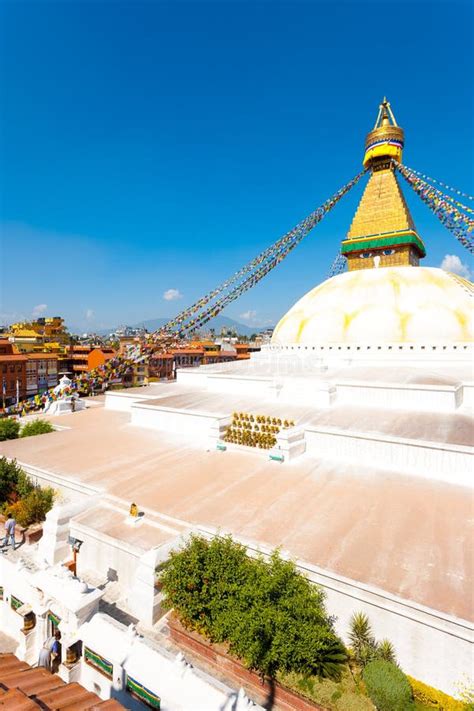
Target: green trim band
{"x": 137, "y": 689}
{"x": 100, "y": 663}
{"x": 379, "y": 242}
{"x": 15, "y": 603}
{"x": 54, "y": 618}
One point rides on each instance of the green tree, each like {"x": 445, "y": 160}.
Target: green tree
{"x": 36, "y": 427}
{"x": 271, "y": 616}
{"x": 9, "y": 476}
{"x": 24, "y": 485}
{"x": 387, "y": 686}
{"x": 9, "y": 429}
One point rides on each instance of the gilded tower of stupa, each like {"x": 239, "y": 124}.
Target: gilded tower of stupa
{"x": 394, "y": 309}
{"x": 382, "y": 233}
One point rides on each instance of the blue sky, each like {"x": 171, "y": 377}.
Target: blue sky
{"x": 158, "y": 146}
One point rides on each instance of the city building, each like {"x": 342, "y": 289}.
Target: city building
{"x": 25, "y": 339}
{"x": 12, "y": 373}
{"x": 41, "y": 372}
{"x": 29, "y": 334}
{"x": 161, "y": 366}
{"x": 84, "y": 358}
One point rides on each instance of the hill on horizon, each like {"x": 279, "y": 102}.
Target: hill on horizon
{"x": 217, "y": 323}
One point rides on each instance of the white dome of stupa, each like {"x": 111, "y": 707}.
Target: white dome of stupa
{"x": 386, "y": 305}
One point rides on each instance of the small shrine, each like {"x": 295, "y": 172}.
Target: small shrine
{"x": 63, "y": 399}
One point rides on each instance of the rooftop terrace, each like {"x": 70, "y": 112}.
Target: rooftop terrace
{"x": 409, "y": 536}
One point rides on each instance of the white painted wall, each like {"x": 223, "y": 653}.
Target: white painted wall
{"x": 451, "y": 463}
{"x": 195, "y": 425}
{"x": 403, "y": 397}
{"x": 177, "y": 683}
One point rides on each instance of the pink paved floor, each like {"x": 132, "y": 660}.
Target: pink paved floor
{"x": 406, "y": 535}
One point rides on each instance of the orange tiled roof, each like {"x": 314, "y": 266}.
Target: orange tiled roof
{"x": 25, "y": 689}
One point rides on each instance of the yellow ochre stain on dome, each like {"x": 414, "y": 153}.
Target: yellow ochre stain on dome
{"x": 403, "y": 319}
{"x": 348, "y": 318}
{"x": 303, "y": 323}
{"x": 463, "y": 321}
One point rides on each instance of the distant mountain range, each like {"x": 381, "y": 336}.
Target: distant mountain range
{"x": 216, "y": 323}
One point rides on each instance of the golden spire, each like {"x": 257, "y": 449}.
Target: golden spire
{"x": 382, "y": 232}
{"x": 386, "y": 139}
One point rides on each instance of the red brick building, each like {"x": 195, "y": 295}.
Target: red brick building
{"x": 12, "y": 374}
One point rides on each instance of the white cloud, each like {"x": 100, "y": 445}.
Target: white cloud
{"x": 452, "y": 263}
{"x": 249, "y": 315}
{"x": 89, "y": 314}
{"x": 172, "y": 295}
{"x": 39, "y": 309}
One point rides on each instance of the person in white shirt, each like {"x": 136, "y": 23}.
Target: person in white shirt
{"x": 10, "y": 524}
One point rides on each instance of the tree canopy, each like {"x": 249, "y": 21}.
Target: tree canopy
{"x": 270, "y": 615}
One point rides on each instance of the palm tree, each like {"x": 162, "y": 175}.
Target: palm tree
{"x": 386, "y": 650}
{"x": 362, "y": 640}
{"x": 360, "y": 631}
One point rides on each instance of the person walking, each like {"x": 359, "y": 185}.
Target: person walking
{"x": 10, "y": 524}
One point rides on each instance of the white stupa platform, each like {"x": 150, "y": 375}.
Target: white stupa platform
{"x": 404, "y": 418}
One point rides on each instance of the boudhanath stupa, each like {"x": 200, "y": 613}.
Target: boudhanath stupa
{"x": 347, "y": 442}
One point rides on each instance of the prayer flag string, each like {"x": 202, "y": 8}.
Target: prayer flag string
{"x": 451, "y": 216}
{"x": 259, "y": 267}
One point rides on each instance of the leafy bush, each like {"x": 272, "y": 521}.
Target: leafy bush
{"x": 387, "y": 686}
{"x": 10, "y": 473}
{"x": 24, "y": 485}
{"x": 432, "y": 698}
{"x": 9, "y": 429}
{"x": 271, "y": 617}
{"x": 28, "y": 503}
{"x": 33, "y": 507}
{"x": 36, "y": 427}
